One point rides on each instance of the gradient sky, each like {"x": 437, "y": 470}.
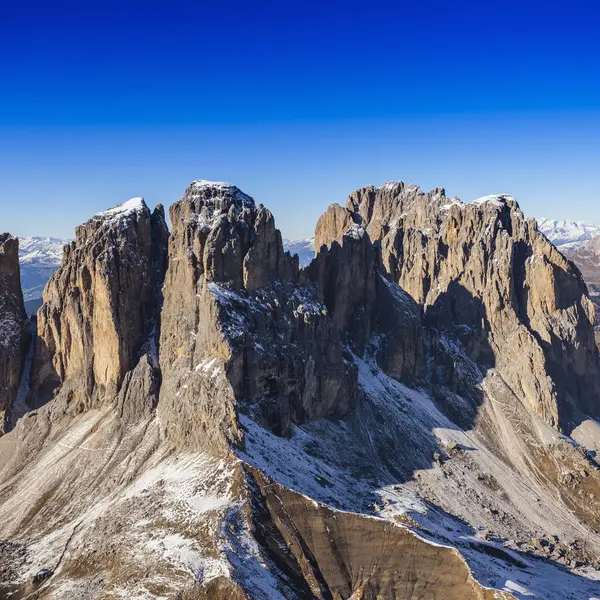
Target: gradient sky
{"x": 297, "y": 103}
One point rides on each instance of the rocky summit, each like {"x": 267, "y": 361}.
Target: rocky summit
{"x": 413, "y": 414}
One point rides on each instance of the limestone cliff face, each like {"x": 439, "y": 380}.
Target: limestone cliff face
{"x": 233, "y": 299}
{"x": 101, "y": 307}
{"x": 485, "y": 269}
{"x": 13, "y": 325}
{"x": 363, "y": 303}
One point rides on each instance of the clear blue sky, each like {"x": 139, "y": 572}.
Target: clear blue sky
{"x": 298, "y": 103}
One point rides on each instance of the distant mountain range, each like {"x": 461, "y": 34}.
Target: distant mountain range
{"x": 568, "y": 233}
{"x": 39, "y": 257}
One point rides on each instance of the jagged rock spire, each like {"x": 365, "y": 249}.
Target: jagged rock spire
{"x": 13, "y": 325}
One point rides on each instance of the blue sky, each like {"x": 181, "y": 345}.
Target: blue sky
{"x": 298, "y": 103}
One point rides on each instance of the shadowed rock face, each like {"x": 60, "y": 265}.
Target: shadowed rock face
{"x": 13, "y": 325}
{"x": 232, "y": 299}
{"x": 102, "y": 305}
{"x": 518, "y": 291}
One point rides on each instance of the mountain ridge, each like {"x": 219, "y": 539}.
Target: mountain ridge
{"x": 252, "y": 429}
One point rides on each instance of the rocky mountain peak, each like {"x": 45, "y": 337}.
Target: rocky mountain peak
{"x": 214, "y": 422}
{"x": 207, "y": 201}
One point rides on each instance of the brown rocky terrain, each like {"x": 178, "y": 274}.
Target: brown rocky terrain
{"x": 410, "y": 416}
{"x": 485, "y": 268}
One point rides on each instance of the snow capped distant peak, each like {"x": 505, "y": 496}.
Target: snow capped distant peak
{"x": 305, "y": 249}
{"x": 131, "y": 206}
{"x": 563, "y": 233}
{"x": 305, "y": 243}
{"x": 41, "y": 250}
{"x": 39, "y": 258}
{"x": 494, "y": 199}
{"x": 218, "y": 189}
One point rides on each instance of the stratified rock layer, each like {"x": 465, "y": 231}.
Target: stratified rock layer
{"x": 13, "y": 326}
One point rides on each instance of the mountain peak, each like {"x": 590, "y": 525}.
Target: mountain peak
{"x": 218, "y": 191}
{"x": 129, "y": 207}
{"x": 253, "y": 429}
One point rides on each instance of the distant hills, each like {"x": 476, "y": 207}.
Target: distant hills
{"x": 568, "y": 233}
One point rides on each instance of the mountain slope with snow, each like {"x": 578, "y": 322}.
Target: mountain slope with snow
{"x": 305, "y": 249}
{"x": 201, "y": 419}
{"x": 565, "y": 233}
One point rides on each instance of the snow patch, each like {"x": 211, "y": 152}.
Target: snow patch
{"x": 133, "y": 206}
{"x": 496, "y": 200}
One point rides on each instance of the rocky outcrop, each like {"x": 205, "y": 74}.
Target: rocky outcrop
{"x": 101, "y": 308}
{"x": 343, "y": 555}
{"x": 13, "y": 326}
{"x": 484, "y": 269}
{"x": 233, "y": 300}
{"x": 363, "y": 304}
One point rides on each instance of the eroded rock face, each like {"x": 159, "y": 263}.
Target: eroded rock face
{"x": 485, "y": 269}
{"x": 363, "y": 304}
{"x": 13, "y": 325}
{"x": 344, "y": 555}
{"x": 232, "y": 299}
{"x": 102, "y": 306}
